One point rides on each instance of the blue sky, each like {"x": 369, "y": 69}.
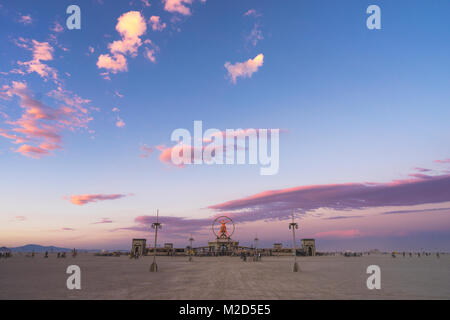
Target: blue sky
{"x": 355, "y": 105}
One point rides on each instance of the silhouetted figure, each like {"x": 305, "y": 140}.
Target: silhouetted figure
{"x": 244, "y": 256}
{"x": 58, "y": 255}
{"x": 46, "y": 254}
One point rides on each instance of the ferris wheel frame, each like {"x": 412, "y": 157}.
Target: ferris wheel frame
{"x": 216, "y": 221}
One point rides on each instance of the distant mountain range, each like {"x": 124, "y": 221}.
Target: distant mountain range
{"x": 38, "y": 248}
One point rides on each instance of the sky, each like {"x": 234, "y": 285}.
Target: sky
{"x": 86, "y": 118}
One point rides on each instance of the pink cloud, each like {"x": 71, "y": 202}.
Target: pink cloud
{"x": 104, "y": 220}
{"x": 244, "y": 69}
{"x": 131, "y": 26}
{"x": 16, "y": 138}
{"x": 32, "y": 152}
{"x": 150, "y": 54}
{"x": 420, "y": 176}
{"x": 156, "y": 24}
{"x": 178, "y": 6}
{"x": 252, "y": 12}
{"x": 255, "y": 35}
{"x": 42, "y": 51}
{"x": 26, "y": 19}
{"x": 166, "y": 152}
{"x": 40, "y": 126}
{"x": 120, "y": 123}
{"x": 279, "y": 204}
{"x": 57, "y": 27}
{"x": 89, "y": 198}
{"x": 114, "y": 63}
{"x": 443, "y": 161}
{"x": 118, "y": 94}
{"x": 146, "y": 151}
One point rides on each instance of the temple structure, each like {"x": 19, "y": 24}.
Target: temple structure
{"x": 309, "y": 247}
{"x": 138, "y": 247}
{"x": 223, "y": 228}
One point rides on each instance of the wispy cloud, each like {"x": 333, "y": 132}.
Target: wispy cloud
{"x": 150, "y": 54}
{"x": 118, "y": 94}
{"x": 42, "y": 51}
{"x": 244, "y": 69}
{"x": 255, "y": 35}
{"x": 103, "y": 221}
{"x": 279, "y": 204}
{"x": 146, "y": 151}
{"x": 417, "y": 211}
{"x": 40, "y": 126}
{"x": 90, "y": 198}
{"x": 156, "y": 24}
{"x": 342, "y": 217}
{"x": 443, "y": 161}
{"x": 120, "y": 123}
{"x": 252, "y": 13}
{"x": 26, "y": 19}
{"x": 57, "y": 27}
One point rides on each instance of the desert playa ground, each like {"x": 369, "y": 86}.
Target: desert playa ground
{"x": 205, "y": 278}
